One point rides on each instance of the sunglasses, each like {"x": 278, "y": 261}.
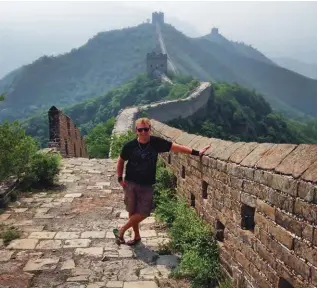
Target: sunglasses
{"x": 143, "y": 129}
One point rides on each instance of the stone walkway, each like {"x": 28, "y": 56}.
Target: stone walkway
{"x": 66, "y": 236}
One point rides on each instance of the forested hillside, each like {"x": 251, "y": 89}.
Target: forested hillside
{"x": 88, "y": 114}
{"x": 112, "y": 58}
{"x": 238, "y": 114}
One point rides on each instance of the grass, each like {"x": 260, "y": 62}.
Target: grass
{"x": 8, "y": 234}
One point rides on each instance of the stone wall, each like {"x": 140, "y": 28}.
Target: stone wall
{"x": 164, "y": 110}
{"x": 64, "y": 135}
{"x": 260, "y": 200}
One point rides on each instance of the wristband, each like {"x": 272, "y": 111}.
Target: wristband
{"x": 195, "y": 152}
{"x": 120, "y": 178}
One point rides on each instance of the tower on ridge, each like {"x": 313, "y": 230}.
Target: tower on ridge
{"x": 156, "y": 62}
{"x": 158, "y": 18}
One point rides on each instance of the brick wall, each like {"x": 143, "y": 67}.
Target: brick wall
{"x": 64, "y": 135}
{"x": 260, "y": 200}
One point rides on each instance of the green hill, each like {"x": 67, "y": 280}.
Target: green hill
{"x": 88, "y": 114}
{"x": 238, "y": 114}
{"x": 112, "y": 58}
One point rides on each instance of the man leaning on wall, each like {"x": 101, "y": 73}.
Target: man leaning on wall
{"x": 142, "y": 155}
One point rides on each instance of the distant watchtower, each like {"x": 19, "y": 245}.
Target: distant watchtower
{"x": 156, "y": 62}
{"x": 158, "y": 18}
{"x": 214, "y": 31}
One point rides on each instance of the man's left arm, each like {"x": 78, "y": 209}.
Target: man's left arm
{"x": 187, "y": 150}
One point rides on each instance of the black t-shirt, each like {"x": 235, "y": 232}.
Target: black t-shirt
{"x": 142, "y": 159}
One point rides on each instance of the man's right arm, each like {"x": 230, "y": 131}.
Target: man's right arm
{"x": 120, "y": 170}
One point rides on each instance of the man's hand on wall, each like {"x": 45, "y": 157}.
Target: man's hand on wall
{"x": 203, "y": 150}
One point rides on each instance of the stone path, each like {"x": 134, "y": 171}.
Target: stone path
{"x": 66, "y": 236}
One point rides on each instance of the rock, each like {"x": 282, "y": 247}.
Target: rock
{"x": 42, "y": 235}
{"x": 77, "y": 243}
{"x": 91, "y": 251}
{"x": 41, "y": 264}
{"x": 49, "y": 244}
{"x": 68, "y": 264}
{"x": 81, "y": 278}
{"x": 23, "y": 244}
{"x": 67, "y": 235}
{"x": 5, "y": 255}
{"x": 20, "y": 210}
{"x": 93, "y": 234}
{"x": 168, "y": 260}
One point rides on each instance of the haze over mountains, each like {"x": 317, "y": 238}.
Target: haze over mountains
{"x": 112, "y": 58}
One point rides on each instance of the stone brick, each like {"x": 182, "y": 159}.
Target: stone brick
{"x": 67, "y": 235}
{"x": 307, "y": 232}
{"x": 265, "y": 254}
{"x": 251, "y": 159}
{"x": 311, "y": 173}
{"x": 259, "y": 190}
{"x": 274, "y": 156}
{"x": 236, "y": 194}
{"x": 285, "y": 184}
{"x": 93, "y": 234}
{"x": 49, "y": 244}
{"x": 263, "y": 177}
{"x": 306, "y": 252}
{"x": 41, "y": 264}
{"x": 306, "y": 211}
{"x": 239, "y": 154}
{"x": 241, "y": 259}
{"x": 24, "y": 244}
{"x": 218, "y": 152}
{"x": 221, "y": 165}
{"x": 282, "y": 236}
{"x": 5, "y": 255}
{"x": 315, "y": 237}
{"x": 307, "y": 191}
{"x": 298, "y": 161}
{"x": 76, "y": 243}
{"x": 140, "y": 284}
{"x": 42, "y": 235}
{"x": 313, "y": 278}
{"x": 263, "y": 207}
{"x": 236, "y": 182}
{"x": 280, "y": 201}
{"x": 91, "y": 251}
{"x": 248, "y": 199}
{"x": 288, "y": 222}
{"x": 227, "y": 153}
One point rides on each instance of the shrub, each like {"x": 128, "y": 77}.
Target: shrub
{"x": 16, "y": 150}
{"x": 42, "y": 170}
{"x": 9, "y": 234}
{"x": 190, "y": 235}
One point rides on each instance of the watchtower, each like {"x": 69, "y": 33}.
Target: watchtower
{"x": 158, "y": 18}
{"x": 156, "y": 62}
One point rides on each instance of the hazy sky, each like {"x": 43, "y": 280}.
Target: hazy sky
{"x": 29, "y": 30}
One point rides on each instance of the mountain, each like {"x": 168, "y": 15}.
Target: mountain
{"x": 306, "y": 69}
{"x": 112, "y": 58}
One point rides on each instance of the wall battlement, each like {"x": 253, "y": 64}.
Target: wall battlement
{"x": 158, "y": 18}
{"x": 64, "y": 135}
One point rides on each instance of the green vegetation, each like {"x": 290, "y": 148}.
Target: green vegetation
{"x": 190, "y": 235}
{"x": 8, "y": 234}
{"x": 140, "y": 90}
{"x": 20, "y": 159}
{"x": 238, "y": 114}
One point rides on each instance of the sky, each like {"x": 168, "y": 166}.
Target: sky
{"x": 29, "y": 30}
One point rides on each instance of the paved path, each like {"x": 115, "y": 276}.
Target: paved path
{"x": 66, "y": 236}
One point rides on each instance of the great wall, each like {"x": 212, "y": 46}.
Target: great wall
{"x": 259, "y": 198}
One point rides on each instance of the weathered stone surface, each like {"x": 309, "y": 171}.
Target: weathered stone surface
{"x": 81, "y": 278}
{"x": 32, "y": 228}
{"x": 4, "y": 216}
{"x": 91, "y": 251}
{"x": 123, "y": 215}
{"x": 96, "y": 285}
{"x": 285, "y": 184}
{"x": 272, "y": 157}
{"x": 217, "y": 153}
{"x": 103, "y": 184}
{"x": 24, "y": 244}
{"x": 67, "y": 235}
{"x": 20, "y": 210}
{"x": 42, "y": 235}
{"x": 110, "y": 235}
{"x": 307, "y": 191}
{"x": 140, "y": 284}
{"x": 252, "y": 158}
{"x": 41, "y": 264}
{"x": 93, "y": 234}
{"x": 76, "y": 243}
{"x": 68, "y": 264}
{"x": 239, "y": 154}
{"x": 311, "y": 173}
{"x": 73, "y": 195}
{"x": 5, "y": 255}
{"x": 49, "y": 244}
{"x": 148, "y": 233}
{"x": 1, "y": 243}
{"x": 184, "y": 138}
{"x": 298, "y": 161}
{"x": 114, "y": 284}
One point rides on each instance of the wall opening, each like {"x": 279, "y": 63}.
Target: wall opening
{"x": 81, "y": 154}
{"x": 66, "y": 146}
{"x": 74, "y": 149}
{"x": 204, "y": 190}
{"x": 247, "y": 214}
{"x": 283, "y": 283}
{"x": 169, "y": 159}
{"x": 192, "y": 200}
{"x": 219, "y": 231}
{"x": 68, "y": 121}
{"x": 183, "y": 172}
{"x": 174, "y": 181}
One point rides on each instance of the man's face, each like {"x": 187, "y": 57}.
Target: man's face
{"x": 143, "y": 129}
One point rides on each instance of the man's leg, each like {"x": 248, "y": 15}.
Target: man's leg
{"x": 134, "y": 220}
{"x": 135, "y": 228}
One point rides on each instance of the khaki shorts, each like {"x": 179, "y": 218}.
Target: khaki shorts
{"x": 138, "y": 199}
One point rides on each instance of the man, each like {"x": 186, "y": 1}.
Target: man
{"x": 142, "y": 155}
